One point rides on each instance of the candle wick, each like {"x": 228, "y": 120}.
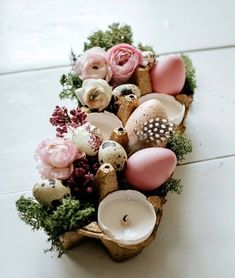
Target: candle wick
{"x": 124, "y": 217}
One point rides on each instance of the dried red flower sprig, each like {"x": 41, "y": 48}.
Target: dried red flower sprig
{"x": 81, "y": 182}
{"x": 63, "y": 119}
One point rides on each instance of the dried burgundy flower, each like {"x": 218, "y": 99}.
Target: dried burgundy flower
{"x": 81, "y": 182}
{"x": 62, "y": 119}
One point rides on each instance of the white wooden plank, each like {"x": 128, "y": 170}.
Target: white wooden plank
{"x": 27, "y": 102}
{"x": 40, "y": 33}
{"x": 195, "y": 239}
{"x": 211, "y": 118}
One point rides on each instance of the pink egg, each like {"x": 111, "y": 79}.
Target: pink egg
{"x": 149, "y": 168}
{"x": 168, "y": 75}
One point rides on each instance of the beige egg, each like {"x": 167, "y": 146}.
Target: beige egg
{"x": 147, "y": 114}
{"x": 113, "y": 153}
{"x": 49, "y": 192}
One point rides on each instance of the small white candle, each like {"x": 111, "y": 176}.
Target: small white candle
{"x": 126, "y": 217}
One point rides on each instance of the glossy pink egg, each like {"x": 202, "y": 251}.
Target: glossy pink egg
{"x": 168, "y": 75}
{"x": 149, "y": 168}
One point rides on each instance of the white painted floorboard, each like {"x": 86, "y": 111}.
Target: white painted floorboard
{"x": 35, "y": 34}
{"x": 197, "y": 234}
{"x": 27, "y": 100}
{"x": 195, "y": 239}
{"x": 211, "y": 117}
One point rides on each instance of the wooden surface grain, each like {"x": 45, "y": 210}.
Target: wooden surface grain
{"x": 197, "y": 234}
{"x": 36, "y": 34}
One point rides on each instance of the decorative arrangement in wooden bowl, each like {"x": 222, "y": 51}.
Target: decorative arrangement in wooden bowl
{"x": 107, "y": 172}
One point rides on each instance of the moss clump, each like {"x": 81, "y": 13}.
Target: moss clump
{"x": 180, "y": 145}
{"x": 146, "y": 47}
{"x": 115, "y": 34}
{"x": 173, "y": 185}
{"x": 69, "y": 215}
{"x": 190, "y": 82}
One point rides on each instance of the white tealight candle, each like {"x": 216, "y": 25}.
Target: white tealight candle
{"x": 126, "y": 217}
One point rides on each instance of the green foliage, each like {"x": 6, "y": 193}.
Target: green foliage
{"x": 70, "y": 215}
{"x": 172, "y": 185}
{"x": 180, "y": 145}
{"x": 31, "y": 212}
{"x": 73, "y": 57}
{"x": 70, "y": 83}
{"x": 115, "y": 34}
{"x": 146, "y": 47}
{"x": 190, "y": 82}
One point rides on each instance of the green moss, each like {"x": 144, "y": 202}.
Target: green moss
{"x": 173, "y": 185}
{"x": 190, "y": 82}
{"x": 31, "y": 212}
{"x": 70, "y": 215}
{"x": 146, "y": 47}
{"x": 180, "y": 145}
{"x": 115, "y": 34}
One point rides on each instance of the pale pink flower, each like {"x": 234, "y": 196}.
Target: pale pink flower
{"x": 93, "y": 64}
{"x": 123, "y": 59}
{"x": 55, "y": 157}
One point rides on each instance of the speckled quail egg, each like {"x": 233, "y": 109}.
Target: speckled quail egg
{"x": 126, "y": 89}
{"x": 113, "y": 153}
{"x": 50, "y": 192}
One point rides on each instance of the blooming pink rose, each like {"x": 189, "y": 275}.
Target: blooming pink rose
{"x": 93, "y": 64}
{"x": 123, "y": 59}
{"x": 55, "y": 157}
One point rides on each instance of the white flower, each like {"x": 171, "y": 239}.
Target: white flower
{"x": 95, "y": 93}
{"x": 87, "y": 138}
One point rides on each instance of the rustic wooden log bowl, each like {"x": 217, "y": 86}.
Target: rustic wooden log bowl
{"x": 107, "y": 182}
{"x": 117, "y": 251}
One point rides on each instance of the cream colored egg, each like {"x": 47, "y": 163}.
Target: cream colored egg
{"x": 113, "y": 153}
{"x": 148, "y": 111}
{"x": 49, "y": 192}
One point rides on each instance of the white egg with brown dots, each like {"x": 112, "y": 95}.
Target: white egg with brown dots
{"x": 113, "y": 153}
{"x": 50, "y": 192}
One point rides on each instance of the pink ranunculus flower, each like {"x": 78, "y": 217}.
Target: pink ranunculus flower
{"x": 55, "y": 157}
{"x": 93, "y": 64}
{"x": 123, "y": 59}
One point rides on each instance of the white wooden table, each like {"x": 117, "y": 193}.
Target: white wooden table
{"x": 197, "y": 235}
